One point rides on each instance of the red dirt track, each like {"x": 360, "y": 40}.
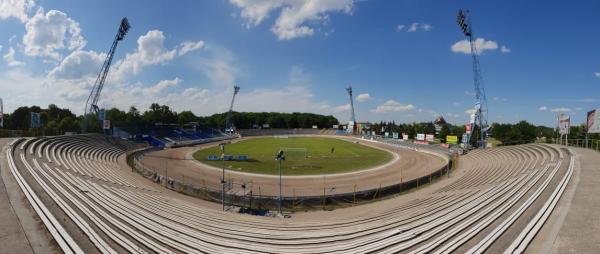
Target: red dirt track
{"x": 407, "y": 164}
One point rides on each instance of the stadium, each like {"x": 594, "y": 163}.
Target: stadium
{"x": 243, "y": 181}
{"x": 91, "y": 199}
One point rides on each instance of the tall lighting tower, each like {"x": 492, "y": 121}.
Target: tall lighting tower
{"x": 91, "y": 105}
{"x": 352, "y": 116}
{"x": 228, "y": 124}
{"x": 481, "y": 109}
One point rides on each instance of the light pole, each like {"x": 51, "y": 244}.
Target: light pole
{"x": 280, "y": 157}
{"x": 222, "y": 146}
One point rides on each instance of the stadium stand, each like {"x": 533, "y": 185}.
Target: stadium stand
{"x": 160, "y": 135}
{"x": 499, "y": 198}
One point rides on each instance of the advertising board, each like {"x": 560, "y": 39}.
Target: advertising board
{"x": 564, "y": 124}
{"x": 429, "y": 137}
{"x": 452, "y": 140}
{"x": 593, "y": 121}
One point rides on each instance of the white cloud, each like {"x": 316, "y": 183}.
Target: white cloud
{"x": 363, "y": 97}
{"x": 163, "y": 85}
{"x": 426, "y": 27}
{"x": 293, "y": 16}
{"x": 256, "y": 11}
{"x": 560, "y": 110}
{"x": 15, "y": 9}
{"x": 456, "y": 103}
{"x": 342, "y": 108}
{"x": 392, "y": 106}
{"x": 400, "y": 27}
{"x": 78, "y": 65}
{"x": 155, "y": 90}
{"x": 482, "y": 45}
{"x": 579, "y": 109}
{"x": 416, "y": 26}
{"x": 164, "y": 92}
{"x": 220, "y": 67}
{"x": 68, "y": 84}
{"x": 189, "y": 46}
{"x": 433, "y": 112}
{"x": 10, "y": 58}
{"x": 286, "y": 99}
{"x": 543, "y": 108}
{"x": 597, "y": 74}
{"x": 150, "y": 51}
{"x": 194, "y": 93}
{"x": 470, "y": 111}
{"x": 504, "y": 49}
{"x": 413, "y": 27}
{"x": 46, "y": 33}
{"x": 37, "y": 90}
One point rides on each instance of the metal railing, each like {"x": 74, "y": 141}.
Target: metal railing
{"x": 593, "y": 144}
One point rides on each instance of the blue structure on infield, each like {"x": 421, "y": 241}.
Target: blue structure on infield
{"x": 228, "y": 158}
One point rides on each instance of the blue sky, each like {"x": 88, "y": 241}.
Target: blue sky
{"x": 404, "y": 59}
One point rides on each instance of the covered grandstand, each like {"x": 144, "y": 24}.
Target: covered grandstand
{"x": 168, "y": 135}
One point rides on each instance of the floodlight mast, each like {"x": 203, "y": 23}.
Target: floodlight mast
{"x": 481, "y": 107}
{"x": 352, "y": 116}
{"x": 228, "y": 124}
{"x": 280, "y": 157}
{"x": 91, "y": 105}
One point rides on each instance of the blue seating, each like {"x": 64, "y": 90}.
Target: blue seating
{"x": 166, "y": 135}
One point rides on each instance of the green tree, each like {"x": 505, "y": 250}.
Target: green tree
{"x": 186, "y": 117}
{"x": 444, "y": 132}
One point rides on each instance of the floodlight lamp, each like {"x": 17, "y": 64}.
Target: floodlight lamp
{"x": 280, "y": 155}
{"x": 123, "y": 28}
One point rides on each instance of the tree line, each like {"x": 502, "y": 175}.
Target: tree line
{"x": 56, "y": 121}
{"x": 411, "y": 129}
{"x": 249, "y": 120}
{"x": 506, "y": 133}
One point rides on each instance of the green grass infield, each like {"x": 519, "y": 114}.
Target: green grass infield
{"x": 303, "y": 155}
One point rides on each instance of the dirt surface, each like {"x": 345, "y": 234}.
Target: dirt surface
{"x": 407, "y": 164}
